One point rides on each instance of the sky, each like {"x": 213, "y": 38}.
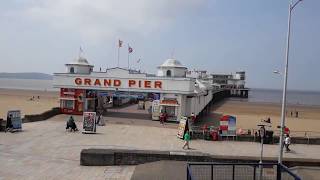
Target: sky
{"x": 220, "y": 36}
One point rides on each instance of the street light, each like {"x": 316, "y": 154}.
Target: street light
{"x": 276, "y": 72}
{"x": 284, "y": 97}
{"x": 262, "y": 132}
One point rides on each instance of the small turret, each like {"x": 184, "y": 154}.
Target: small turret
{"x": 79, "y": 66}
{"x": 172, "y": 68}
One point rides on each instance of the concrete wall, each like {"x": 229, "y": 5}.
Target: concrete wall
{"x": 43, "y": 116}
{"x": 110, "y": 157}
{"x": 198, "y": 103}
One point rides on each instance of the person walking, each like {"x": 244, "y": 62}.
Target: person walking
{"x": 186, "y": 138}
{"x": 287, "y": 142}
{"x": 162, "y": 116}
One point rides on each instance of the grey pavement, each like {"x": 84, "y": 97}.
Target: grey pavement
{"x": 44, "y": 150}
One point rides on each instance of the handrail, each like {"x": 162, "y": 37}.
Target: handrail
{"x": 280, "y": 168}
{"x": 240, "y": 164}
{"x": 288, "y": 171}
{"x": 189, "y": 174}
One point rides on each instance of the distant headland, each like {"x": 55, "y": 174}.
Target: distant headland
{"x": 26, "y": 75}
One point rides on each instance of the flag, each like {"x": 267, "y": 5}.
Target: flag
{"x": 130, "y": 50}
{"x": 138, "y": 60}
{"x": 120, "y": 43}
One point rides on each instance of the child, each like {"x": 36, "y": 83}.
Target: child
{"x": 287, "y": 142}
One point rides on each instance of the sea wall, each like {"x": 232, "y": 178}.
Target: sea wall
{"x": 43, "y": 116}
{"x": 111, "y": 157}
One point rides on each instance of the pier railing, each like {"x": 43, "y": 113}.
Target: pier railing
{"x": 239, "y": 171}
{"x": 298, "y": 137}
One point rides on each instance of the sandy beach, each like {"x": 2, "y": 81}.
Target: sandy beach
{"x": 249, "y": 115}
{"x": 13, "y": 99}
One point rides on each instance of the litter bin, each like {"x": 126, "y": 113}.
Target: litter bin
{"x": 207, "y": 135}
{"x": 214, "y": 135}
{"x": 268, "y": 138}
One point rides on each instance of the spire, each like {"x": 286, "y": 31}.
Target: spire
{"x": 80, "y": 52}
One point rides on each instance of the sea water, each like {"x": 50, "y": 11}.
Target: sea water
{"x": 27, "y": 84}
{"x": 255, "y": 95}
{"x": 294, "y": 97}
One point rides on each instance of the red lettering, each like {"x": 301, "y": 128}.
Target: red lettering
{"x": 139, "y": 83}
{"x": 132, "y": 82}
{"x": 107, "y": 82}
{"x": 87, "y": 82}
{"x": 147, "y": 84}
{"x": 97, "y": 82}
{"x": 158, "y": 84}
{"x": 117, "y": 82}
{"x": 78, "y": 81}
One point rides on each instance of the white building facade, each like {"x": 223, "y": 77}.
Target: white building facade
{"x": 82, "y": 89}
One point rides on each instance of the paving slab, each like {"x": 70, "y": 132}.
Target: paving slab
{"x": 44, "y": 150}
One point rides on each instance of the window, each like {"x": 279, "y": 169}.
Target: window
{"x": 170, "y": 110}
{"x": 72, "y": 70}
{"x": 168, "y": 73}
{"x": 68, "y": 104}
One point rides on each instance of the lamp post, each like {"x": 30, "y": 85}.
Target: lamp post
{"x": 284, "y": 95}
{"x": 262, "y": 132}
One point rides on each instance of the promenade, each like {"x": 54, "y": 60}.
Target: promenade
{"x": 44, "y": 150}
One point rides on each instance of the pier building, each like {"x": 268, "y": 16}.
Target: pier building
{"x": 82, "y": 89}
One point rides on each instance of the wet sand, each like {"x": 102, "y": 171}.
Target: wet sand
{"x": 249, "y": 115}
{"x": 12, "y": 99}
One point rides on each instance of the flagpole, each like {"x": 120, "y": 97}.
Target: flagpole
{"x": 128, "y": 56}
{"x": 80, "y": 51}
{"x": 118, "y": 54}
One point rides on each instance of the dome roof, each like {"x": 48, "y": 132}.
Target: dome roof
{"x": 172, "y": 63}
{"x": 80, "y": 61}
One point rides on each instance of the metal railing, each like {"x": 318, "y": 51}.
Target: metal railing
{"x": 239, "y": 171}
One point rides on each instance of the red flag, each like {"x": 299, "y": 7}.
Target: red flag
{"x": 120, "y": 43}
{"x": 130, "y": 49}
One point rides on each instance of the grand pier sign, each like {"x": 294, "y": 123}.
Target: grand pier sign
{"x": 130, "y": 83}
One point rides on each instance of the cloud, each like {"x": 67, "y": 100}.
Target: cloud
{"x": 100, "y": 19}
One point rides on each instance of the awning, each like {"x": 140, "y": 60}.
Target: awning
{"x": 67, "y": 98}
{"x": 69, "y": 93}
{"x": 165, "y": 104}
{"x": 169, "y": 102}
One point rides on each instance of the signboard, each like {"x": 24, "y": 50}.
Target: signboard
{"x": 182, "y": 127}
{"x": 228, "y": 125}
{"x": 155, "y": 109}
{"x": 15, "y": 119}
{"x": 89, "y": 122}
{"x": 131, "y": 83}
